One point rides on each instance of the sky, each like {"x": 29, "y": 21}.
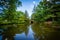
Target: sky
{"x": 28, "y": 5}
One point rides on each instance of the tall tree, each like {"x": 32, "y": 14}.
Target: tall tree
{"x": 26, "y": 14}
{"x": 46, "y": 10}
{"x": 9, "y": 8}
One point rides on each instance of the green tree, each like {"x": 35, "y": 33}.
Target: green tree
{"x": 26, "y": 14}
{"x": 46, "y": 10}
{"x": 9, "y": 9}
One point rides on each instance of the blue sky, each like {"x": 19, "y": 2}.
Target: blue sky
{"x": 28, "y": 5}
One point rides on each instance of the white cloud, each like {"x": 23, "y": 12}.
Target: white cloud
{"x": 33, "y": 2}
{"x": 47, "y": 0}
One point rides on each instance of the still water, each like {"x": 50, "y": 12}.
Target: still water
{"x": 16, "y": 32}
{"x": 28, "y": 32}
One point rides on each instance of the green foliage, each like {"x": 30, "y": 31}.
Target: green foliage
{"x": 9, "y": 13}
{"x": 46, "y": 10}
{"x": 9, "y": 9}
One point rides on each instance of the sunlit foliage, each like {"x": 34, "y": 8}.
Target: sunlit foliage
{"x": 47, "y": 11}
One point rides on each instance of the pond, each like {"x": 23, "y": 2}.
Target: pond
{"x": 28, "y": 32}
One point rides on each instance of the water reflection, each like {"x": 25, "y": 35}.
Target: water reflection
{"x": 45, "y": 32}
{"x": 28, "y": 32}
{"x": 10, "y": 31}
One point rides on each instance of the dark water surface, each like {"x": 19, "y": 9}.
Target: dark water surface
{"x": 28, "y": 32}
{"x": 16, "y": 32}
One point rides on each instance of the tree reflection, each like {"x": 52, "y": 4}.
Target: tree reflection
{"x": 41, "y": 32}
{"x": 10, "y": 30}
